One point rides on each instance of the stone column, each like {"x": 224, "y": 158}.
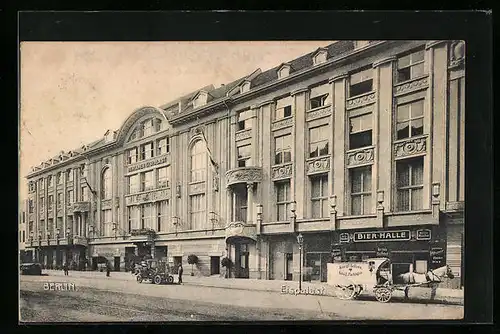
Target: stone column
{"x": 229, "y": 205}
{"x": 383, "y": 125}
{"x": 339, "y": 172}
{"x": 250, "y": 203}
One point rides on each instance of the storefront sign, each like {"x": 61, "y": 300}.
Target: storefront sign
{"x": 424, "y": 234}
{"x": 382, "y": 236}
{"x": 350, "y": 269}
{"x": 150, "y": 163}
{"x": 437, "y": 257}
{"x": 344, "y": 237}
{"x": 382, "y": 252}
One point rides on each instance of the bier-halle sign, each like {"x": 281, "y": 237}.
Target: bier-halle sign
{"x": 402, "y": 235}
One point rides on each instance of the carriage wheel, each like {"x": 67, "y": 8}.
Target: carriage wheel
{"x": 139, "y": 279}
{"x": 383, "y": 295}
{"x": 170, "y": 279}
{"x": 157, "y": 279}
{"x": 345, "y": 291}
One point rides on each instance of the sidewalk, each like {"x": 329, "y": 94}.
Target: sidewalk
{"x": 454, "y": 296}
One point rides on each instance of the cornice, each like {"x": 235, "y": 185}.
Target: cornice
{"x": 432, "y": 44}
{"x": 384, "y": 61}
{"x": 260, "y": 105}
{"x": 298, "y": 91}
{"x": 338, "y": 77}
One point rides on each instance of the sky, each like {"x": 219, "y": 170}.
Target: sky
{"x": 71, "y": 93}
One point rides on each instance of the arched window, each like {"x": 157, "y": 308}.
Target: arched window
{"x": 198, "y": 162}
{"x": 106, "y": 183}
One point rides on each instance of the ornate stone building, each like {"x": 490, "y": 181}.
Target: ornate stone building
{"x": 359, "y": 146}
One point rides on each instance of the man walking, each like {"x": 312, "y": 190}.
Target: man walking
{"x": 180, "y": 273}
{"x": 65, "y": 268}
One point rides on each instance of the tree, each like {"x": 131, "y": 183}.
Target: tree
{"x": 192, "y": 260}
{"x": 226, "y": 263}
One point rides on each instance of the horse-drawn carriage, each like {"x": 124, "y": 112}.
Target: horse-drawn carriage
{"x": 375, "y": 274}
{"x": 156, "y": 271}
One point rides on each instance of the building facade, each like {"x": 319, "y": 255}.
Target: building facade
{"x": 24, "y": 254}
{"x": 358, "y": 146}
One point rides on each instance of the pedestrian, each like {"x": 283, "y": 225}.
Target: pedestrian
{"x": 65, "y": 268}
{"x": 180, "y": 273}
{"x": 108, "y": 269}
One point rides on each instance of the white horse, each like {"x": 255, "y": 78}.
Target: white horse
{"x": 432, "y": 278}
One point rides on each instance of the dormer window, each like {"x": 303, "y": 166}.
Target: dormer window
{"x": 283, "y": 71}
{"x": 245, "y": 87}
{"x": 200, "y": 100}
{"x": 320, "y": 57}
{"x": 147, "y": 127}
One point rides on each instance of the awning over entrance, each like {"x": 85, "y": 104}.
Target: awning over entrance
{"x": 239, "y": 231}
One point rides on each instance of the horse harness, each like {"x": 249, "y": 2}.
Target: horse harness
{"x": 433, "y": 274}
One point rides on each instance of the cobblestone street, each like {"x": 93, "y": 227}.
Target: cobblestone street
{"x": 120, "y": 298}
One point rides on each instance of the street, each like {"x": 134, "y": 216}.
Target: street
{"x": 99, "y": 299}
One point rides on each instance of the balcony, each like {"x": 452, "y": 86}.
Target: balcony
{"x": 243, "y": 175}
{"x": 81, "y": 207}
{"x": 236, "y": 231}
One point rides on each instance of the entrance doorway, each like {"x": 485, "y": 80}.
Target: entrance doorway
{"x": 177, "y": 262}
{"x": 317, "y": 262}
{"x": 117, "y": 263}
{"x": 289, "y": 266}
{"x": 214, "y": 265}
{"x": 242, "y": 256}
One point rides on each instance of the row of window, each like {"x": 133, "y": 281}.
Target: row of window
{"x": 409, "y": 191}
{"x": 147, "y": 128}
{"x": 69, "y": 175}
{"x": 409, "y": 197}
{"x": 70, "y": 198}
{"x": 146, "y": 180}
{"x": 409, "y": 66}
{"x": 148, "y": 150}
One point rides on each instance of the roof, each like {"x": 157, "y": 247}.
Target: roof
{"x": 256, "y": 79}
{"x": 303, "y": 62}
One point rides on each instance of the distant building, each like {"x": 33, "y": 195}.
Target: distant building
{"x": 23, "y": 255}
{"x": 359, "y": 146}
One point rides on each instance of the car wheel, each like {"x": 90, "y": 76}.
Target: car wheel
{"x": 157, "y": 279}
{"x": 170, "y": 279}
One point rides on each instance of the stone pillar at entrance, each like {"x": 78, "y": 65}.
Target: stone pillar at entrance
{"x": 249, "y": 202}
{"x": 229, "y": 205}
{"x": 54, "y": 258}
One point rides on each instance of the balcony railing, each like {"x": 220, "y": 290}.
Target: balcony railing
{"x": 243, "y": 175}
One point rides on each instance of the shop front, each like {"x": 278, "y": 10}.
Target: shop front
{"x": 416, "y": 249}
{"x": 317, "y": 253}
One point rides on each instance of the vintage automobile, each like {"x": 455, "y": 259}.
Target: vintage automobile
{"x": 30, "y": 269}
{"x": 155, "y": 271}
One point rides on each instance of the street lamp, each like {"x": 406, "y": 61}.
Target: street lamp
{"x": 300, "y": 241}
